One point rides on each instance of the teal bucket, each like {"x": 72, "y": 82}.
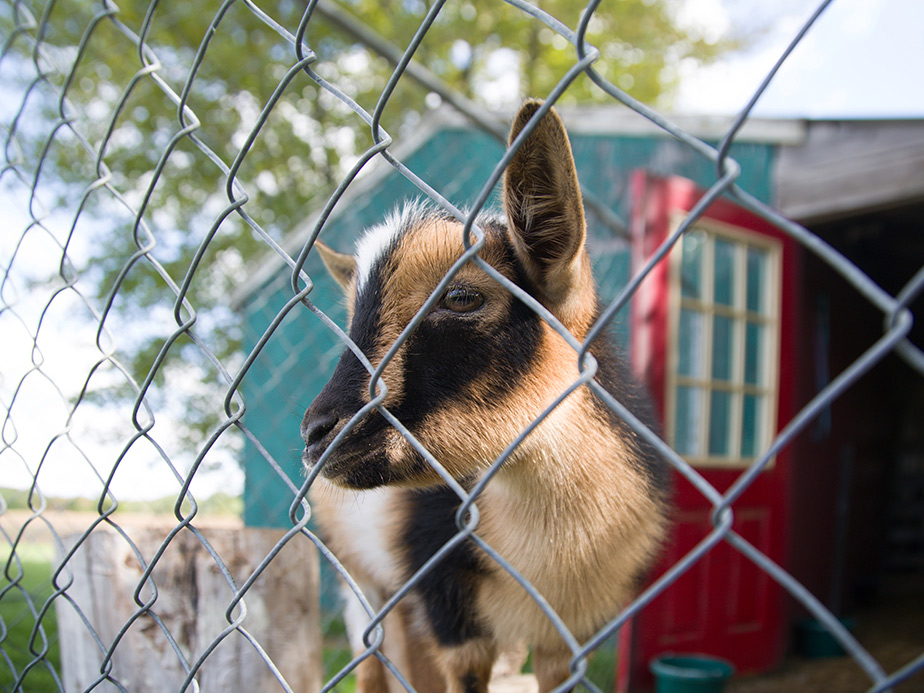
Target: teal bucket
{"x": 691, "y": 673}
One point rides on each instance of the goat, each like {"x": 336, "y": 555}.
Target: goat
{"x": 578, "y": 508}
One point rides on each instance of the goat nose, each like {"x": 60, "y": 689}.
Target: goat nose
{"x": 316, "y": 428}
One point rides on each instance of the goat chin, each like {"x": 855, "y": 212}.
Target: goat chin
{"x": 577, "y": 510}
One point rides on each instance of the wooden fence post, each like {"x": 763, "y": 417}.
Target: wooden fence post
{"x": 193, "y": 596}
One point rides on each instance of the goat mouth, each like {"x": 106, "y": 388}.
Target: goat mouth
{"x": 359, "y": 469}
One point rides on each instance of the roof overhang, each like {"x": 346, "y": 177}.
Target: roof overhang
{"x": 849, "y": 167}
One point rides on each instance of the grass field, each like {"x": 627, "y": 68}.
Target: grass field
{"x": 24, "y": 588}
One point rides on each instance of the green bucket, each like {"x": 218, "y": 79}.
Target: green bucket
{"x": 691, "y": 673}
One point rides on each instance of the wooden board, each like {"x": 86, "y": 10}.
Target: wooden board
{"x": 280, "y": 614}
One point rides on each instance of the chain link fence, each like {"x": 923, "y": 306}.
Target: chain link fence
{"x": 117, "y": 384}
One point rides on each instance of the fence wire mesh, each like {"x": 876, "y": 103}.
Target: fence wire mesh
{"x": 113, "y": 372}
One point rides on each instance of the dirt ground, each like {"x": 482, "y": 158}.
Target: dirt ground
{"x": 892, "y": 631}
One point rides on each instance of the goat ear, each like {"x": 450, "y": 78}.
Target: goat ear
{"x": 545, "y": 213}
{"x": 342, "y": 267}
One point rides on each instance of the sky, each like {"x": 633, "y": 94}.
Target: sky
{"x": 861, "y": 58}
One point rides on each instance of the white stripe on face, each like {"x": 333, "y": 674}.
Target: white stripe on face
{"x": 376, "y": 240}
{"x": 370, "y": 247}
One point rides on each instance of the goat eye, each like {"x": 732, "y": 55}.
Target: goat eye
{"x": 460, "y": 299}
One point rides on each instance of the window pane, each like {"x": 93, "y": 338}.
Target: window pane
{"x": 690, "y": 344}
{"x": 719, "y": 423}
{"x": 724, "y": 272}
{"x": 691, "y": 273}
{"x": 751, "y": 417}
{"x": 753, "y": 354}
{"x": 757, "y": 272}
{"x": 723, "y": 330}
{"x": 687, "y": 421}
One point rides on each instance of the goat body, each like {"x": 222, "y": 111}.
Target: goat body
{"x": 577, "y": 509}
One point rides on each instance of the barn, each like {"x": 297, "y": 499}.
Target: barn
{"x": 734, "y": 334}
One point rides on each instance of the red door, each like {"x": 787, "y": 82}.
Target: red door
{"x": 713, "y": 337}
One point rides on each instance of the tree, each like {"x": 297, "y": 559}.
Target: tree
{"x": 162, "y": 99}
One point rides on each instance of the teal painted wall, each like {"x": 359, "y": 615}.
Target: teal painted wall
{"x": 301, "y": 354}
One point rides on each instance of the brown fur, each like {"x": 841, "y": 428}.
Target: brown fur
{"x": 572, "y": 509}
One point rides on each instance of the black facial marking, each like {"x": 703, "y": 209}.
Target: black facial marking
{"x": 367, "y": 309}
{"x": 344, "y": 393}
{"x": 448, "y": 353}
{"x": 448, "y": 589}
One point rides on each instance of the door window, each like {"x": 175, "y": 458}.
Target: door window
{"x": 723, "y": 345}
